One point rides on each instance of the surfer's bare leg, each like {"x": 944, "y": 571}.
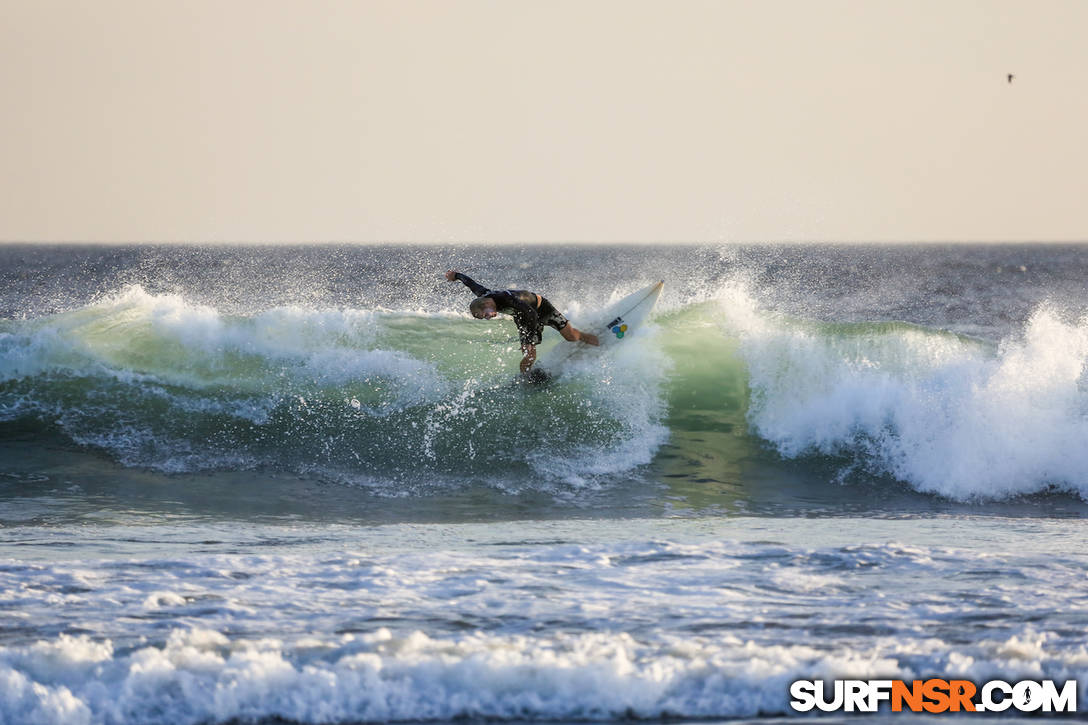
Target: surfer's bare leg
{"x": 571, "y": 334}
{"x": 529, "y": 359}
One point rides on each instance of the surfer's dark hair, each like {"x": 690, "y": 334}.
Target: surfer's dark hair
{"x": 478, "y": 304}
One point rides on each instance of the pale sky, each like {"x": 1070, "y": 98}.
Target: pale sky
{"x": 585, "y": 120}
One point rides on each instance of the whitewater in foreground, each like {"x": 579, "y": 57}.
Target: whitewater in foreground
{"x": 250, "y": 484}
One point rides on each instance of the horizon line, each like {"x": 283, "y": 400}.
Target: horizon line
{"x": 534, "y": 242}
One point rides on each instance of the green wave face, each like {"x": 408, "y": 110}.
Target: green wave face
{"x": 713, "y": 395}
{"x": 355, "y": 395}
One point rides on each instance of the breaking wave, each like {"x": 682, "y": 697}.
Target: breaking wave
{"x": 404, "y": 401}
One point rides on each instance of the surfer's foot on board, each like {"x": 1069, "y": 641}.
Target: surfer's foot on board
{"x": 570, "y": 334}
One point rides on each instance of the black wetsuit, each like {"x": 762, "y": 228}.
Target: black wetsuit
{"x": 529, "y": 315}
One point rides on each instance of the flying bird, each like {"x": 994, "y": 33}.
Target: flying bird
{"x": 1011, "y": 76}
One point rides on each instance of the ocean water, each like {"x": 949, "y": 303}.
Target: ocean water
{"x": 302, "y": 484}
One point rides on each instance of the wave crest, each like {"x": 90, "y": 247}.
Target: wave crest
{"x": 946, "y": 413}
{"x": 358, "y": 395}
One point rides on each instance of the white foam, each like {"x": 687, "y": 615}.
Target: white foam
{"x": 160, "y": 600}
{"x": 116, "y": 374}
{"x": 946, "y": 414}
{"x": 725, "y": 639}
{"x": 165, "y": 339}
{"x": 627, "y": 383}
{"x": 408, "y": 677}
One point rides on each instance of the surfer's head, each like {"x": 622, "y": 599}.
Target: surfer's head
{"x": 483, "y": 308}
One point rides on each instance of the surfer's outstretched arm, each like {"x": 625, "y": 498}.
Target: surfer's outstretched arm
{"x": 477, "y": 289}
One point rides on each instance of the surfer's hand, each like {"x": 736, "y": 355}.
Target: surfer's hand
{"x": 452, "y": 275}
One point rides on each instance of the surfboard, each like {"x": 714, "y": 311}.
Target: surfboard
{"x": 616, "y": 324}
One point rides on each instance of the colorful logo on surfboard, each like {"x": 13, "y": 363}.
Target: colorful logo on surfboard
{"x": 618, "y": 327}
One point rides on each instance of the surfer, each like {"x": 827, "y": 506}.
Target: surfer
{"x": 529, "y": 310}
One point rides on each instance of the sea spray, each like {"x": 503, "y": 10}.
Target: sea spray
{"x": 946, "y": 413}
{"x": 418, "y": 399}
{"x": 158, "y": 382}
